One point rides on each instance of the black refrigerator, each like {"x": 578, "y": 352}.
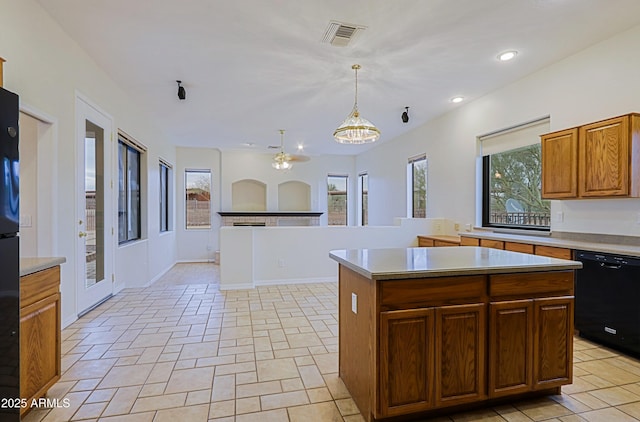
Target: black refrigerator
{"x": 9, "y": 259}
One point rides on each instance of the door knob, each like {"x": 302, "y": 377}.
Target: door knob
{"x": 82, "y": 234}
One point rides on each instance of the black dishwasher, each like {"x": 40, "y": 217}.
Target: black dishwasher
{"x": 607, "y": 297}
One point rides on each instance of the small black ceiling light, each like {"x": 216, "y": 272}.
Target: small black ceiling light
{"x": 405, "y": 115}
{"x": 182, "y": 94}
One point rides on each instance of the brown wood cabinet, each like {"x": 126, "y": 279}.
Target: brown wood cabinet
{"x": 489, "y": 243}
{"x": 406, "y": 361}
{"x": 469, "y": 241}
{"x": 597, "y": 160}
{"x": 40, "y": 336}
{"x": 518, "y": 247}
{"x": 560, "y": 160}
{"x": 438, "y": 240}
{"x": 415, "y": 346}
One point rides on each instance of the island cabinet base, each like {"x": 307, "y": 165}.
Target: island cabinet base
{"x": 429, "y": 346}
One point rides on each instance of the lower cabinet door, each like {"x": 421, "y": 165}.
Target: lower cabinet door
{"x": 510, "y": 347}
{"x": 460, "y": 354}
{"x": 553, "y": 342}
{"x": 406, "y": 361}
{"x": 39, "y": 347}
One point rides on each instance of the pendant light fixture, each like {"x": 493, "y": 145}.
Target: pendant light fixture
{"x": 355, "y": 129}
{"x": 282, "y": 160}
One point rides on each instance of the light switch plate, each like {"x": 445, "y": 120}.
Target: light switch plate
{"x": 354, "y": 303}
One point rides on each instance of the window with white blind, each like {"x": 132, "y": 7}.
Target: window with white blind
{"x": 512, "y": 177}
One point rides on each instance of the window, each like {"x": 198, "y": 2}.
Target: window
{"x": 417, "y": 195}
{"x": 128, "y": 192}
{"x": 198, "y": 199}
{"x": 337, "y": 200}
{"x": 512, "y": 178}
{"x": 363, "y": 187}
{"x": 165, "y": 196}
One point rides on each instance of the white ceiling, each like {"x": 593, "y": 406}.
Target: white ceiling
{"x": 251, "y": 67}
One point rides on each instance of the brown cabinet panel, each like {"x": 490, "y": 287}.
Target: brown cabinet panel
{"x": 604, "y": 158}
{"x": 469, "y": 241}
{"x": 553, "y": 252}
{"x": 39, "y": 346}
{"x": 510, "y": 347}
{"x": 553, "y": 342}
{"x": 460, "y": 354}
{"x": 420, "y": 293}
{"x": 425, "y": 242}
{"x": 518, "y": 247}
{"x": 560, "y": 164}
{"x": 406, "y": 361}
{"x": 528, "y": 285}
{"x": 488, "y": 243}
{"x": 444, "y": 243}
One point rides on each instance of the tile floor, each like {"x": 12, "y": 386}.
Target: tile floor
{"x": 182, "y": 350}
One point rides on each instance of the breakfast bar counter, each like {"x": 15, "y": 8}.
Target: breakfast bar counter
{"x": 426, "y": 331}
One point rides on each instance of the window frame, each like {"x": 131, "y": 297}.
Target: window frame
{"x": 364, "y": 212}
{"x": 411, "y": 188}
{"x": 165, "y": 200}
{"x": 125, "y": 182}
{"x": 346, "y": 198}
{"x": 186, "y": 198}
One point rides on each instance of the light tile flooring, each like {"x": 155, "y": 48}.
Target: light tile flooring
{"x": 182, "y": 350}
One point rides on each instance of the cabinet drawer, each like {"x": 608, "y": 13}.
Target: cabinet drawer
{"x": 422, "y": 292}
{"x": 553, "y": 252}
{"x": 38, "y": 285}
{"x": 423, "y": 241}
{"x": 496, "y": 244}
{"x": 518, "y": 247}
{"x": 443, "y": 243}
{"x": 469, "y": 241}
{"x": 528, "y": 285}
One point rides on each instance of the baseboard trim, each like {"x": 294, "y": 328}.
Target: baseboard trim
{"x": 296, "y": 281}
{"x": 68, "y": 321}
{"x": 196, "y": 261}
{"x": 236, "y": 286}
{"x": 156, "y": 278}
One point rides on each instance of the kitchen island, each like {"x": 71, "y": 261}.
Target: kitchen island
{"x": 426, "y": 331}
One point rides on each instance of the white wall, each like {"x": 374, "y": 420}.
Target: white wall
{"x": 46, "y": 68}
{"x": 599, "y": 82}
{"x": 28, "y": 149}
{"x": 253, "y": 256}
{"x": 238, "y": 165}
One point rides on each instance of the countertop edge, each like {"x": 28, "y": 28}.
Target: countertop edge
{"x": 33, "y": 265}
{"x": 560, "y": 266}
{"x": 557, "y": 243}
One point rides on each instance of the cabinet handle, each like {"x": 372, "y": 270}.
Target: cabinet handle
{"x": 82, "y": 234}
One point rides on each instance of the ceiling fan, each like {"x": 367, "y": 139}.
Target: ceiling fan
{"x": 282, "y": 160}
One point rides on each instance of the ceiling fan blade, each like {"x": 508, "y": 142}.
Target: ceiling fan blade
{"x": 300, "y": 158}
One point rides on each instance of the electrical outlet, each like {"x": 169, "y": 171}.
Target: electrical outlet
{"x": 281, "y": 262}
{"x": 438, "y": 227}
{"x": 456, "y": 226}
{"x": 354, "y": 303}
{"x": 467, "y": 227}
{"x": 559, "y": 217}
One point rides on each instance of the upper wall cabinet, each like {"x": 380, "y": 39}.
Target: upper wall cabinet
{"x": 560, "y": 164}
{"x": 598, "y": 160}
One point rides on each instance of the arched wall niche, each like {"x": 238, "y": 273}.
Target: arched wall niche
{"x": 294, "y": 196}
{"x": 248, "y": 195}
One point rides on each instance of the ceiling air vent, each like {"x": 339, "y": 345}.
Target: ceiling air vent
{"x": 341, "y": 34}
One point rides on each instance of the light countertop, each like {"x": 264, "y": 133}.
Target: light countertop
{"x": 32, "y": 265}
{"x": 611, "y": 248}
{"x": 400, "y": 263}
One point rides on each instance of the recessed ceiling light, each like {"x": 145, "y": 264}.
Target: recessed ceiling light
{"x": 457, "y": 99}
{"x": 507, "y": 55}
{"x": 300, "y": 147}
{"x": 248, "y": 144}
